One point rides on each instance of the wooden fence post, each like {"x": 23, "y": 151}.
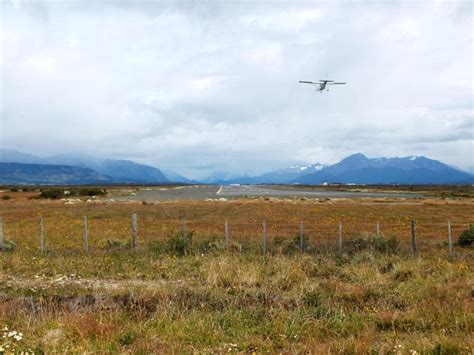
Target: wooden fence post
{"x": 340, "y": 238}
{"x": 226, "y": 235}
{"x": 86, "y": 236}
{"x": 264, "y": 239}
{"x": 41, "y": 235}
{"x": 450, "y": 242}
{"x": 134, "y": 231}
{"x": 1, "y": 233}
{"x": 377, "y": 229}
{"x": 413, "y": 238}
{"x": 301, "y": 236}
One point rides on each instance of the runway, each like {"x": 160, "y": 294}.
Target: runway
{"x": 206, "y": 192}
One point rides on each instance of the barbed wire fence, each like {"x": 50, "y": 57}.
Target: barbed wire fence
{"x": 95, "y": 234}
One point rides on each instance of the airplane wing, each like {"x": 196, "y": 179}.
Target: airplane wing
{"x": 334, "y": 83}
{"x": 307, "y": 82}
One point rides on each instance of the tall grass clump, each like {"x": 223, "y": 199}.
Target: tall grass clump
{"x": 370, "y": 242}
{"x": 467, "y": 237}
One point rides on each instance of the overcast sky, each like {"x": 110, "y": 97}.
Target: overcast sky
{"x": 206, "y": 86}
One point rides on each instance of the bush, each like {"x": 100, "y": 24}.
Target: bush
{"x": 207, "y": 246}
{"x": 89, "y": 191}
{"x": 6, "y": 197}
{"x": 312, "y": 299}
{"x": 14, "y": 189}
{"x": 8, "y": 246}
{"x": 178, "y": 245}
{"x": 291, "y": 246}
{"x": 369, "y": 242}
{"x": 116, "y": 244}
{"x": 155, "y": 247}
{"x": 53, "y": 194}
{"x": 466, "y": 239}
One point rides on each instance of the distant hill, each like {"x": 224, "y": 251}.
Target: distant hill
{"x": 175, "y": 177}
{"x": 124, "y": 171}
{"x": 282, "y": 176}
{"x": 31, "y": 174}
{"x": 359, "y": 169}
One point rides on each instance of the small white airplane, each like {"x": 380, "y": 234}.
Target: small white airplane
{"x": 322, "y": 84}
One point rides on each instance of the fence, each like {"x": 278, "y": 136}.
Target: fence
{"x": 95, "y": 234}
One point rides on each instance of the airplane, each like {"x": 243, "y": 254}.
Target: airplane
{"x": 322, "y": 84}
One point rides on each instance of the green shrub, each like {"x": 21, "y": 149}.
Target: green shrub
{"x": 466, "y": 238}
{"x": 155, "y": 247}
{"x": 116, "y": 244}
{"x": 312, "y": 298}
{"x": 90, "y": 191}
{"x": 8, "y": 246}
{"x": 371, "y": 242}
{"x": 285, "y": 245}
{"x": 127, "y": 338}
{"x": 179, "y": 245}
{"x": 14, "y": 189}
{"x": 207, "y": 246}
{"x": 53, "y": 193}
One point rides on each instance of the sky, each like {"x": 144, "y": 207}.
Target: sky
{"x": 206, "y": 87}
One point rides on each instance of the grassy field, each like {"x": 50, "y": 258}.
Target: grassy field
{"x": 213, "y": 299}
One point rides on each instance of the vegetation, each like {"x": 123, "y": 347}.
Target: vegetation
{"x": 53, "y": 193}
{"x": 194, "y": 294}
{"x": 467, "y": 237}
{"x": 56, "y": 193}
{"x": 8, "y": 246}
{"x": 135, "y": 302}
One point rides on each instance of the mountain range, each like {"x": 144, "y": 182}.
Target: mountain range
{"x": 107, "y": 170}
{"x": 22, "y": 168}
{"x": 281, "y": 176}
{"x": 359, "y": 169}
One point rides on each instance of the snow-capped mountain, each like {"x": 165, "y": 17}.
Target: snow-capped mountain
{"x": 359, "y": 169}
{"x": 281, "y": 176}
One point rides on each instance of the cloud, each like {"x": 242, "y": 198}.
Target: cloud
{"x": 213, "y": 86}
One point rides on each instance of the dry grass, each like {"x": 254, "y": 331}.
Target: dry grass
{"x": 226, "y": 301}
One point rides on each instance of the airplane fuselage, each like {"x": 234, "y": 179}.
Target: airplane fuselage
{"x": 322, "y": 86}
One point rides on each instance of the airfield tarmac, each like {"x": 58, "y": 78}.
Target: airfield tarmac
{"x": 203, "y": 192}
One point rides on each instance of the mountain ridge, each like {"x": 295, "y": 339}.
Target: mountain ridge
{"x": 48, "y": 174}
{"x": 359, "y": 169}
{"x": 355, "y": 168}
{"x": 124, "y": 171}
